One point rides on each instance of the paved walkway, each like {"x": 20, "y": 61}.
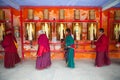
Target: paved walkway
{"x": 84, "y": 70}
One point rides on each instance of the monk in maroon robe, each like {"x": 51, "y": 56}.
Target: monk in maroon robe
{"x": 9, "y": 44}
{"x": 102, "y": 45}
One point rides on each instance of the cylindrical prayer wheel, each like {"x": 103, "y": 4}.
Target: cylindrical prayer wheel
{"x": 30, "y": 14}
{"x": 2, "y": 15}
{"x": 76, "y": 14}
{"x": 92, "y": 14}
{"x": 46, "y": 14}
{"x": 2, "y": 31}
{"x": 117, "y": 15}
{"x": 61, "y": 14}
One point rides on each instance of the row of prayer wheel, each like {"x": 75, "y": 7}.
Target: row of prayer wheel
{"x": 76, "y": 14}
{"x": 77, "y": 31}
{"x": 61, "y": 14}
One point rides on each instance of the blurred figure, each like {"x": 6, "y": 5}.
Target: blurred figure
{"x": 69, "y": 50}
{"x": 102, "y": 45}
{"x": 43, "y": 53}
{"x": 10, "y": 46}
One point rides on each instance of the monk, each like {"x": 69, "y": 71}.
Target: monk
{"x": 69, "y": 54}
{"x": 43, "y": 54}
{"x": 11, "y": 55}
{"x": 102, "y": 45}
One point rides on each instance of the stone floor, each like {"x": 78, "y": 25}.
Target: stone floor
{"x": 84, "y": 70}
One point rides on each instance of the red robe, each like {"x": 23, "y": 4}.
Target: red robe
{"x": 102, "y": 45}
{"x": 43, "y": 54}
{"x": 8, "y": 44}
{"x": 11, "y": 57}
{"x": 43, "y": 43}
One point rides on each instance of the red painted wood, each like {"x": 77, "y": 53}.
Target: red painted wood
{"x": 100, "y": 17}
{"x": 81, "y": 43}
{"x": 21, "y": 33}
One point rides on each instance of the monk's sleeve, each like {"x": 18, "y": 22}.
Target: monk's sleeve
{"x": 97, "y": 43}
{"x": 40, "y": 51}
{"x": 6, "y": 42}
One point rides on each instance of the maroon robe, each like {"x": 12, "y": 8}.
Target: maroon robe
{"x": 102, "y": 45}
{"x": 11, "y": 57}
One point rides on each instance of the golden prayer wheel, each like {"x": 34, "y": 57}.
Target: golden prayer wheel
{"x": 92, "y": 31}
{"x": 77, "y": 31}
{"x": 30, "y": 31}
{"x": 2, "y": 15}
{"x": 91, "y": 14}
{"x": 2, "y": 31}
{"x": 116, "y": 31}
{"x": 117, "y": 14}
{"x": 47, "y": 28}
{"x": 61, "y": 14}
{"x": 46, "y": 14}
{"x": 30, "y": 14}
{"x": 61, "y": 27}
{"x": 76, "y": 14}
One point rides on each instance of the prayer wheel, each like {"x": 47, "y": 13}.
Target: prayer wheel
{"x": 116, "y": 31}
{"x": 92, "y": 14}
{"x": 30, "y": 14}
{"x": 47, "y": 28}
{"x": 117, "y": 14}
{"x": 2, "y": 15}
{"x": 61, "y": 14}
{"x": 92, "y": 31}
{"x": 60, "y": 31}
{"x": 46, "y": 14}
{"x": 76, "y": 14}
{"x": 2, "y": 31}
{"x": 30, "y": 31}
{"x": 77, "y": 31}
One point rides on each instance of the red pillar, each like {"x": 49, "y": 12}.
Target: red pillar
{"x": 108, "y": 24}
{"x": 21, "y": 32}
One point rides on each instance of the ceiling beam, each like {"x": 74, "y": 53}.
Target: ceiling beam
{"x": 110, "y": 4}
{"x": 12, "y": 4}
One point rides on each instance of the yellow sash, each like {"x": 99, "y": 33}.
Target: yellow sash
{"x": 16, "y": 44}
